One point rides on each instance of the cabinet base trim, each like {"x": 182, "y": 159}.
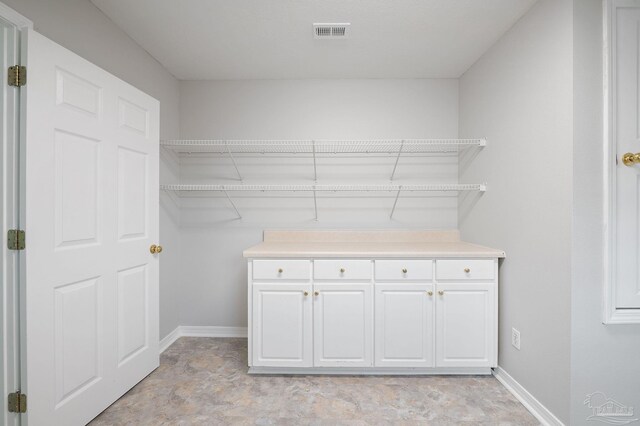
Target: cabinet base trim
{"x": 371, "y": 371}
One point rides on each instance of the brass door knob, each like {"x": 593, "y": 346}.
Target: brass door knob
{"x": 467, "y": 270}
{"x": 441, "y": 293}
{"x": 342, "y": 270}
{"x": 630, "y": 159}
{"x": 306, "y": 293}
{"x": 404, "y": 270}
{"x": 317, "y": 293}
{"x": 155, "y": 249}
{"x": 280, "y": 270}
{"x": 430, "y": 293}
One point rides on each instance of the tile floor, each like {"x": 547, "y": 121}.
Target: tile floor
{"x": 204, "y": 381}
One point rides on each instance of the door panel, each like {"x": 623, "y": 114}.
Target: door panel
{"x": 465, "y": 324}
{"x": 404, "y": 331}
{"x": 627, "y": 130}
{"x": 133, "y": 335}
{"x": 90, "y": 284}
{"x": 78, "y": 325}
{"x": 77, "y": 164}
{"x": 282, "y": 329}
{"x": 343, "y": 325}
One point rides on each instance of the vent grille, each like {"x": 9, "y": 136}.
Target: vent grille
{"x": 331, "y": 31}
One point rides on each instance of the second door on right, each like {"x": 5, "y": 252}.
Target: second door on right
{"x": 465, "y": 325}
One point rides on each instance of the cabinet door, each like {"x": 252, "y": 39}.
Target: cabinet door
{"x": 465, "y": 325}
{"x": 282, "y": 328}
{"x": 404, "y": 327}
{"x": 343, "y": 325}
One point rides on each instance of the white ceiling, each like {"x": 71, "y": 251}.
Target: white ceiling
{"x": 260, "y": 39}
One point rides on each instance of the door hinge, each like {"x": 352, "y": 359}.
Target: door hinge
{"x": 17, "y": 76}
{"x": 15, "y": 239}
{"x": 17, "y": 402}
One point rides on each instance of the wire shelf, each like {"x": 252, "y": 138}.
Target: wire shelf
{"x": 329, "y": 188}
{"x": 390, "y": 146}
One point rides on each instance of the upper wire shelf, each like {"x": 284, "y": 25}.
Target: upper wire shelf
{"x": 445, "y": 187}
{"x": 383, "y": 146}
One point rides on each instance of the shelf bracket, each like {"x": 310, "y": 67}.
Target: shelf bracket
{"x": 315, "y": 168}
{"x": 232, "y": 203}
{"x": 395, "y": 166}
{"x": 233, "y": 160}
{"x": 393, "y": 209}
{"x": 315, "y": 202}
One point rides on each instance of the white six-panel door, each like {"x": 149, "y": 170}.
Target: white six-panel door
{"x": 627, "y": 139}
{"x": 90, "y": 211}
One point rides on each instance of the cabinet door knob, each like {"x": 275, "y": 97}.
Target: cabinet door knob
{"x": 430, "y": 293}
{"x": 317, "y": 293}
{"x": 467, "y": 270}
{"x": 342, "y": 270}
{"x": 280, "y": 270}
{"x": 306, "y": 293}
{"x": 441, "y": 292}
{"x": 404, "y": 270}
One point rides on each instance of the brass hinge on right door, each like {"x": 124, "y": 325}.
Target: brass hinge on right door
{"x": 17, "y": 76}
{"x": 17, "y": 402}
{"x": 16, "y": 239}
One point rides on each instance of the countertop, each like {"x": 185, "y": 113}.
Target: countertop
{"x": 368, "y": 244}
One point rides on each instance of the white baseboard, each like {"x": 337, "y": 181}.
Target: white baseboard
{"x": 212, "y": 331}
{"x": 534, "y": 406}
{"x": 169, "y": 339}
{"x": 200, "y": 331}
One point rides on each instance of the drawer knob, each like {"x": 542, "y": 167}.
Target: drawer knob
{"x": 280, "y": 270}
{"x": 430, "y": 293}
{"x": 467, "y": 270}
{"x": 441, "y": 292}
{"x": 342, "y": 270}
{"x": 317, "y": 293}
{"x": 404, "y": 270}
{"x": 306, "y": 293}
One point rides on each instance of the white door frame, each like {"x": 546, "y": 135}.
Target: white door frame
{"x": 9, "y": 300}
{"x": 612, "y": 314}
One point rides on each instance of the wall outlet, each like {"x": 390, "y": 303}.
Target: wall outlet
{"x": 515, "y": 338}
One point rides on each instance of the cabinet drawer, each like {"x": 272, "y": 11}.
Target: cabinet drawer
{"x": 342, "y": 269}
{"x": 282, "y": 270}
{"x": 465, "y": 269}
{"x": 403, "y": 270}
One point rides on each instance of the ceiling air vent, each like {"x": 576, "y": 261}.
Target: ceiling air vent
{"x": 331, "y": 31}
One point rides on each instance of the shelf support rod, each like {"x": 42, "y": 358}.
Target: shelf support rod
{"x": 233, "y": 160}
{"x": 315, "y": 202}
{"x": 393, "y": 209}
{"x": 232, "y": 203}
{"x": 315, "y": 168}
{"x": 395, "y": 166}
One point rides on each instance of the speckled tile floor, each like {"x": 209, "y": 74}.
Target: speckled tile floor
{"x": 204, "y": 381}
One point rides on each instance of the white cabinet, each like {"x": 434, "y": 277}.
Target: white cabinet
{"x": 466, "y": 334}
{"x": 343, "y": 325}
{"x": 373, "y": 316}
{"x": 282, "y": 325}
{"x": 404, "y": 325}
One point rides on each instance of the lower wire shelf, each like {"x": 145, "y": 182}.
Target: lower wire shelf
{"x": 329, "y": 188}
{"x": 315, "y": 188}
